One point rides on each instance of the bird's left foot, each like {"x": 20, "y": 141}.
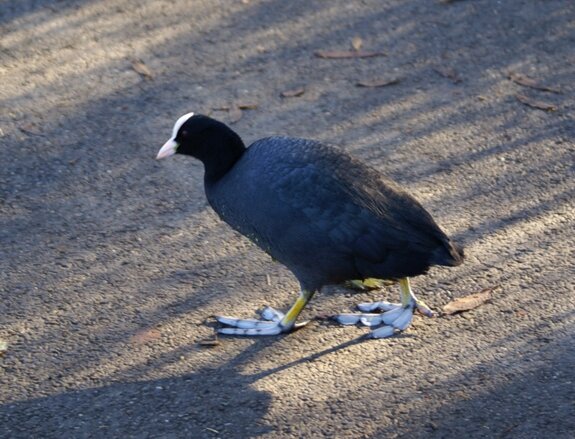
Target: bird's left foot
{"x": 390, "y": 317}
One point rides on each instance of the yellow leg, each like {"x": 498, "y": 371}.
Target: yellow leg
{"x": 289, "y": 319}
{"x": 406, "y": 292}
{"x": 408, "y": 297}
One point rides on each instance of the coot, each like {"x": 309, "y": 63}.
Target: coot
{"x": 325, "y": 215}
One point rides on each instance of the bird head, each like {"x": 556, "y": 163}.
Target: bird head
{"x": 180, "y": 133}
{"x": 196, "y": 135}
{"x": 206, "y": 139}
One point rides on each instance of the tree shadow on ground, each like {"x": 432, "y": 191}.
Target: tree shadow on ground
{"x": 504, "y": 399}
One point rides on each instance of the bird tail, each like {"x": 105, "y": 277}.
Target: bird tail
{"x": 449, "y": 254}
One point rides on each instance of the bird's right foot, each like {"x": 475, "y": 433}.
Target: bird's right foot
{"x": 270, "y": 324}
{"x": 273, "y": 322}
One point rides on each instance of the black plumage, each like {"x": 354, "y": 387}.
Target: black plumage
{"x": 322, "y": 213}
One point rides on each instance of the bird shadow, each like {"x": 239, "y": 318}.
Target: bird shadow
{"x": 204, "y": 404}
{"x": 215, "y": 401}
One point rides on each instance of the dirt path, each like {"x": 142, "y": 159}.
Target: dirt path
{"x": 111, "y": 262}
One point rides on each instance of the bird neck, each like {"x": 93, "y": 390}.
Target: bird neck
{"x": 219, "y": 151}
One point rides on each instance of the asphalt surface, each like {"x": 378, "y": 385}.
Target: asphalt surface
{"x": 112, "y": 263}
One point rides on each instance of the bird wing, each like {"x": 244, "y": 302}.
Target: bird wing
{"x": 351, "y": 204}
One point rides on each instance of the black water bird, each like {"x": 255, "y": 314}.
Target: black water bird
{"x": 325, "y": 215}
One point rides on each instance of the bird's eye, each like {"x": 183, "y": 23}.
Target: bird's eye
{"x": 185, "y": 133}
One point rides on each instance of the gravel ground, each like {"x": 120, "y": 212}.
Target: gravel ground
{"x": 112, "y": 263}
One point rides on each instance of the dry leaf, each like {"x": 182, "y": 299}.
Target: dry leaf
{"x": 525, "y": 81}
{"x": 3, "y": 347}
{"x": 378, "y": 82}
{"x": 449, "y": 73}
{"x": 209, "y": 342}
{"x": 344, "y": 54}
{"x": 247, "y": 105}
{"x": 293, "y": 92}
{"x": 235, "y": 110}
{"x": 142, "y": 69}
{"x": 221, "y": 108}
{"x": 145, "y": 335}
{"x": 235, "y": 114}
{"x": 469, "y": 302}
{"x": 356, "y": 43}
{"x": 30, "y": 128}
{"x": 540, "y": 105}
